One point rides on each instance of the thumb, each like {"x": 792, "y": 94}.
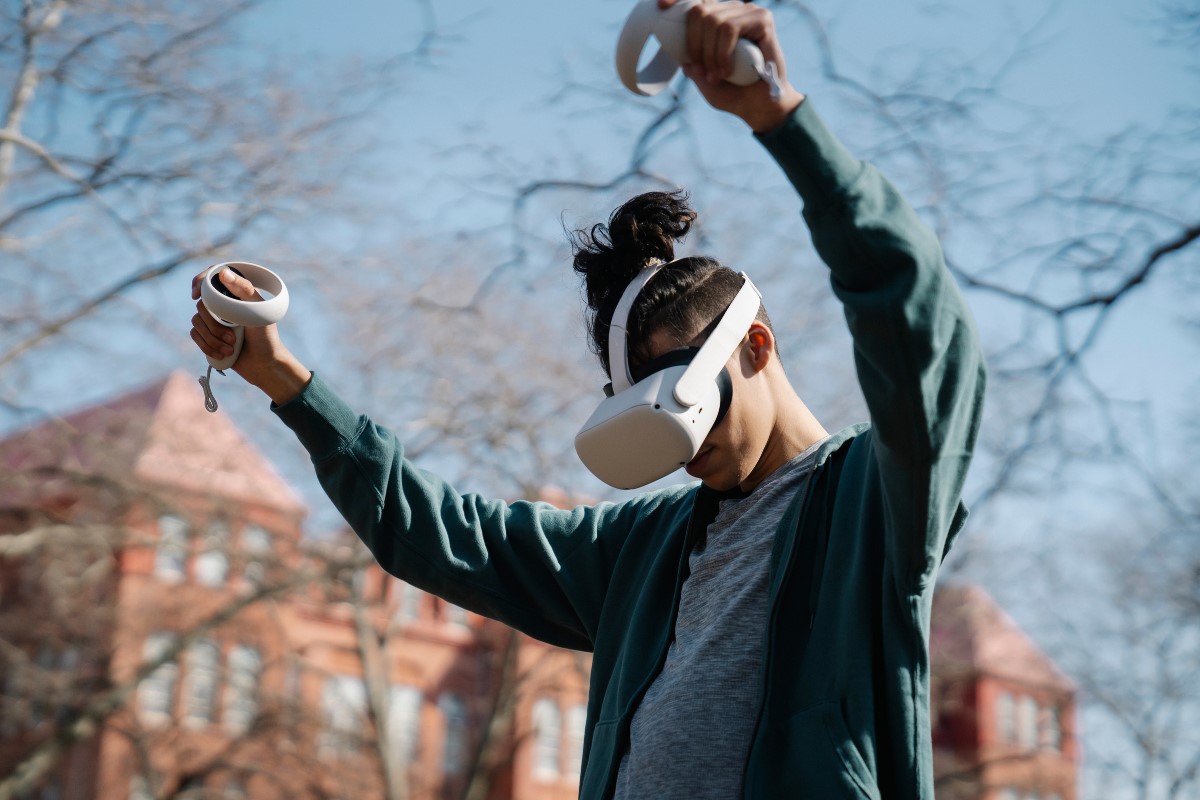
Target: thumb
{"x": 240, "y": 286}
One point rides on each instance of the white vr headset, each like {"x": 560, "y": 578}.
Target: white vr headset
{"x": 649, "y": 427}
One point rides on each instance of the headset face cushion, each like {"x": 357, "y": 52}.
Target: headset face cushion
{"x": 680, "y": 356}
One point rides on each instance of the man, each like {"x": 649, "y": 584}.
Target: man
{"x": 764, "y": 633}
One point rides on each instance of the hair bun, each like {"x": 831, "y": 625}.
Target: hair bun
{"x": 644, "y": 228}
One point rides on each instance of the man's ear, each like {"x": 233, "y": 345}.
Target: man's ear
{"x": 761, "y": 344}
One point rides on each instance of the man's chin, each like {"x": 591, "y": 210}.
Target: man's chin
{"x": 718, "y": 483}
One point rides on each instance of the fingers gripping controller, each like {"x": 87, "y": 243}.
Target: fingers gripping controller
{"x": 235, "y": 313}
{"x": 669, "y": 26}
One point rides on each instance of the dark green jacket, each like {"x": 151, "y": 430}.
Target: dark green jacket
{"x": 845, "y": 682}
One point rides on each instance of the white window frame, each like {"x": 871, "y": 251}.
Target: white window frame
{"x": 1051, "y": 732}
{"x": 344, "y": 715}
{"x": 408, "y": 602}
{"x": 546, "y": 723}
{"x": 575, "y": 729}
{"x": 1006, "y": 717}
{"x": 156, "y": 692}
{"x": 1027, "y": 722}
{"x": 404, "y": 720}
{"x": 171, "y": 553}
{"x": 201, "y": 683}
{"x": 456, "y": 616}
{"x": 212, "y": 562}
{"x": 244, "y": 670}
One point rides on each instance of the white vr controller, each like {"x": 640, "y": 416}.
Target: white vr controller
{"x": 669, "y": 26}
{"x": 236, "y": 314}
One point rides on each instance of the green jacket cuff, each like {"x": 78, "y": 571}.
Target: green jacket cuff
{"x": 321, "y": 420}
{"x": 816, "y": 163}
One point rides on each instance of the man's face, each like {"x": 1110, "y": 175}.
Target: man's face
{"x": 733, "y": 448}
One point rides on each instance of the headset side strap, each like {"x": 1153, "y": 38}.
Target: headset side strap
{"x": 719, "y": 346}
{"x": 618, "y": 334}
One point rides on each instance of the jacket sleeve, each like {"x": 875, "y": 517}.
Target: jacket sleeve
{"x": 916, "y": 352}
{"x": 540, "y": 569}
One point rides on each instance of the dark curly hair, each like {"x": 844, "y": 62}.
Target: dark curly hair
{"x": 683, "y": 300}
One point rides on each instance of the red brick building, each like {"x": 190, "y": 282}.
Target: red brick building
{"x": 166, "y": 632}
{"x": 1004, "y": 715}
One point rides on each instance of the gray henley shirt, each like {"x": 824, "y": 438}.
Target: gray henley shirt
{"x": 690, "y": 735}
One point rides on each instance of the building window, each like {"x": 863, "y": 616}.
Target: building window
{"x": 212, "y": 565}
{"x": 1052, "y": 730}
{"x": 200, "y": 683}
{"x": 576, "y": 721}
{"x": 404, "y": 720}
{"x": 139, "y": 789}
{"x": 241, "y": 694}
{"x": 547, "y": 730}
{"x": 454, "y": 747}
{"x": 344, "y": 709}
{"x": 1027, "y": 723}
{"x": 256, "y": 547}
{"x": 170, "y": 560}
{"x": 408, "y": 602}
{"x": 1006, "y": 717}
{"x": 456, "y": 616}
{"x": 156, "y": 693}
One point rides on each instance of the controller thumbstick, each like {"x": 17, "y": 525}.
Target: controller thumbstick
{"x": 219, "y": 285}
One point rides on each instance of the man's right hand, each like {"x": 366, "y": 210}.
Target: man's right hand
{"x": 264, "y": 361}
{"x": 713, "y": 30}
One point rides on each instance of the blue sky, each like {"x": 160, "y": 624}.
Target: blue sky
{"x": 1096, "y": 66}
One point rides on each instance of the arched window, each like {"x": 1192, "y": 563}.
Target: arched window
{"x": 170, "y": 558}
{"x": 404, "y": 720}
{"x": 344, "y": 707}
{"x": 241, "y": 694}
{"x": 1027, "y": 722}
{"x": 200, "y": 683}
{"x": 576, "y": 720}
{"x": 156, "y": 694}
{"x": 212, "y": 565}
{"x": 547, "y": 733}
{"x": 1006, "y": 717}
{"x": 1052, "y": 729}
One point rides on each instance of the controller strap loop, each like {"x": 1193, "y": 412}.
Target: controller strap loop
{"x": 210, "y": 400}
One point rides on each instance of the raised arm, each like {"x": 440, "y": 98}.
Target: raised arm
{"x": 915, "y": 348}
{"x": 916, "y": 351}
{"x": 543, "y": 570}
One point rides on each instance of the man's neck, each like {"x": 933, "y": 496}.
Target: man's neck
{"x": 796, "y": 430}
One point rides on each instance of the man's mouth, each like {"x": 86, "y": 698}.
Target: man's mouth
{"x": 697, "y": 464}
